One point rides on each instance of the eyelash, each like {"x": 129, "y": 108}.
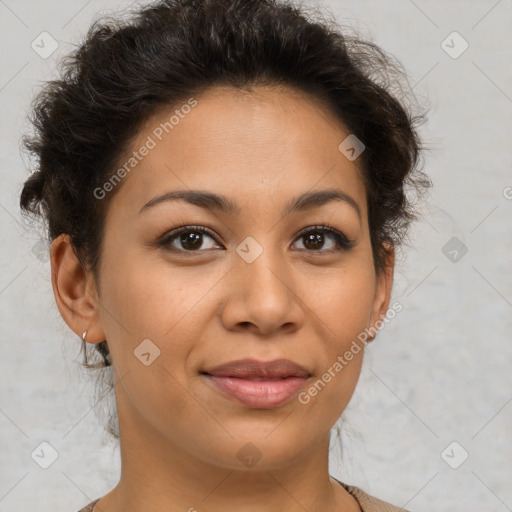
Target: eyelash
{"x": 344, "y": 244}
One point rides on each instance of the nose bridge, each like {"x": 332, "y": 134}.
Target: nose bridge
{"x": 260, "y": 265}
{"x": 262, "y": 289}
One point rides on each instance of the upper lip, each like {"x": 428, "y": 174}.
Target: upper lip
{"x": 252, "y": 368}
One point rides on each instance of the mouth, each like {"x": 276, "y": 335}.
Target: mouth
{"x": 255, "y": 384}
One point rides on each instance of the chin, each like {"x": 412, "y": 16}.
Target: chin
{"x": 257, "y": 451}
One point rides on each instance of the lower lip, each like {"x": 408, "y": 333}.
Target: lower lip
{"x": 260, "y": 394}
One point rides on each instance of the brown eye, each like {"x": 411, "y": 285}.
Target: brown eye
{"x": 191, "y": 241}
{"x": 187, "y": 239}
{"x": 316, "y": 237}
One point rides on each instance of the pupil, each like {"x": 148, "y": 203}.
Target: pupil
{"x": 191, "y": 240}
{"x": 315, "y": 239}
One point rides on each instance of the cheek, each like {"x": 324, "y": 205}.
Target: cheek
{"x": 153, "y": 302}
{"x": 344, "y": 306}
{"x": 139, "y": 303}
{"x": 148, "y": 298}
{"x": 343, "y": 300}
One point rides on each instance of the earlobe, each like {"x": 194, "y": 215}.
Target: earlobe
{"x": 74, "y": 291}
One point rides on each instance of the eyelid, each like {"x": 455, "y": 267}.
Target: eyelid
{"x": 168, "y": 236}
{"x": 326, "y": 227}
{"x": 344, "y": 242}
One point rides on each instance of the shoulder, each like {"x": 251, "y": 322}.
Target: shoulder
{"x": 370, "y": 503}
{"x": 88, "y": 508}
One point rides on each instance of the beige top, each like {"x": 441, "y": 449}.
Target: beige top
{"x": 366, "y": 502}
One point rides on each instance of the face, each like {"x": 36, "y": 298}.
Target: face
{"x": 261, "y": 281}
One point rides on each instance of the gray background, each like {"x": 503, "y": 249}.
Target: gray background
{"x": 438, "y": 373}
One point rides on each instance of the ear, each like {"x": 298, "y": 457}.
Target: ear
{"x": 74, "y": 289}
{"x": 382, "y": 292}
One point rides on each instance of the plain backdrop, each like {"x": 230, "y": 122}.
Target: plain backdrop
{"x": 430, "y": 425}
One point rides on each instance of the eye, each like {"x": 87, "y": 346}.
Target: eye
{"x": 191, "y": 238}
{"x": 316, "y": 236}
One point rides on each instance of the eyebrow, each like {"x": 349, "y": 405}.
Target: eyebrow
{"x": 217, "y": 202}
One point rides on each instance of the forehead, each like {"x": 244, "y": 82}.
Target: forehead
{"x": 258, "y": 144}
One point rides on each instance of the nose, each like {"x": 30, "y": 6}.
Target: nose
{"x": 262, "y": 297}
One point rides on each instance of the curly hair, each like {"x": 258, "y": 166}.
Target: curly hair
{"x": 127, "y": 69}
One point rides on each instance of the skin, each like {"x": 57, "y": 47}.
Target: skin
{"x": 179, "y": 436}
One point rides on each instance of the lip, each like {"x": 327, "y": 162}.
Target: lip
{"x": 258, "y": 384}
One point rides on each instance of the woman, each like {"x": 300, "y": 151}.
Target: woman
{"x": 224, "y": 186}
